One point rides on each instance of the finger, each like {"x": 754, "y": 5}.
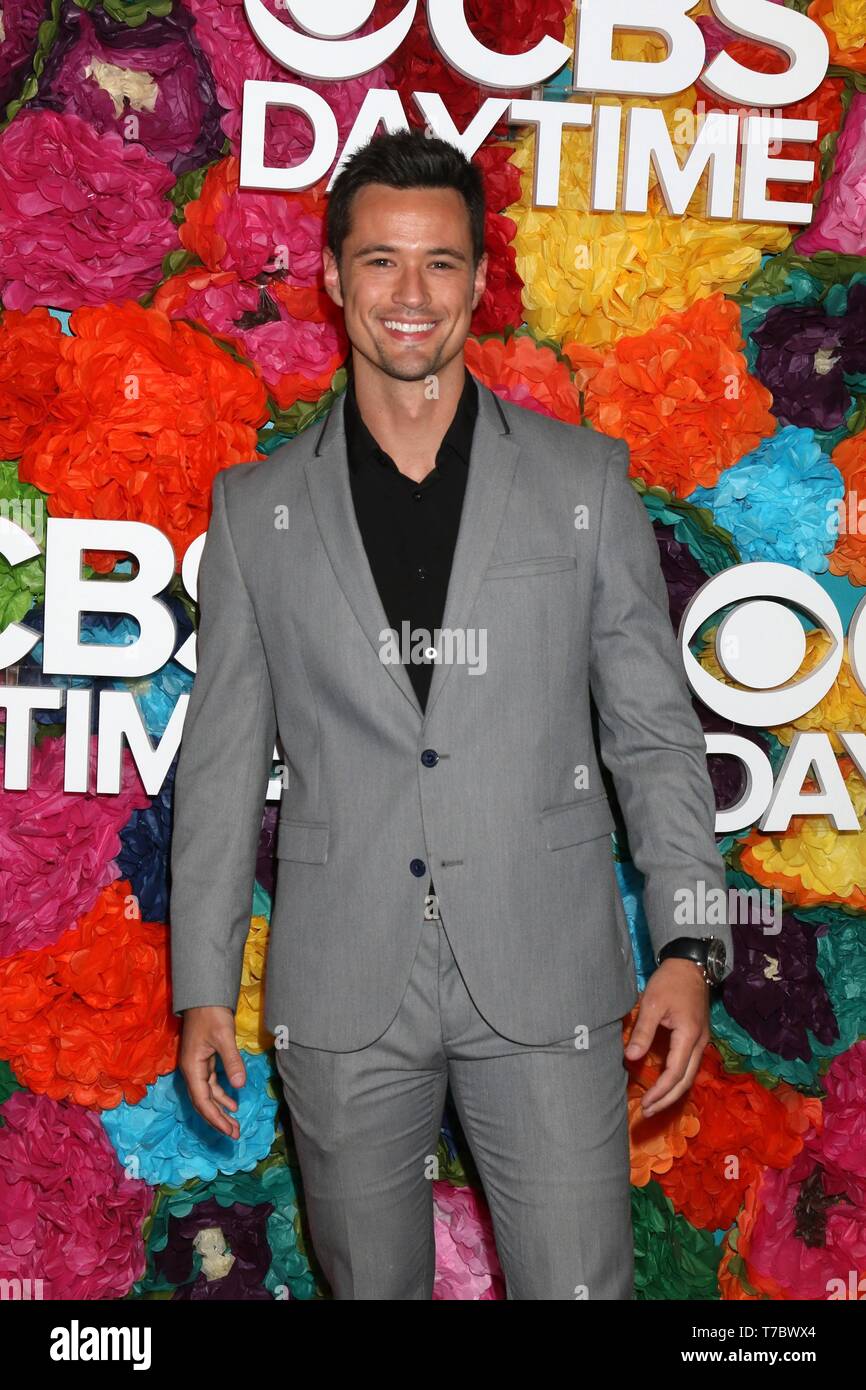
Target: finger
{"x": 197, "y": 1081}
{"x": 682, "y": 1045}
{"x": 233, "y": 1062}
{"x": 220, "y": 1096}
{"x": 641, "y": 1036}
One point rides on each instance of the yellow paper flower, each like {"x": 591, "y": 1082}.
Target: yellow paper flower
{"x": 252, "y": 1035}
{"x": 594, "y": 276}
{"x": 812, "y": 862}
{"x": 844, "y": 23}
{"x": 842, "y": 708}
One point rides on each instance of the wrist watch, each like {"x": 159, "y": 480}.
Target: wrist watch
{"x": 706, "y": 951}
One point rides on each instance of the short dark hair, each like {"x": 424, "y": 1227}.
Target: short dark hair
{"x": 406, "y": 159}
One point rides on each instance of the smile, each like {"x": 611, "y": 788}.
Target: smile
{"x": 413, "y": 328}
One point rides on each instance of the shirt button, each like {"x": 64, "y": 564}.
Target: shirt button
{"x": 418, "y": 495}
{"x": 420, "y": 572}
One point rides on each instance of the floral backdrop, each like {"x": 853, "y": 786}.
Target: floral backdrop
{"x": 128, "y": 253}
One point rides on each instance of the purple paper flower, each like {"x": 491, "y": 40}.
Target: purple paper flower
{"x": 233, "y": 1245}
{"x": 83, "y": 216}
{"x": 150, "y": 84}
{"x": 775, "y": 990}
{"x": 804, "y": 355}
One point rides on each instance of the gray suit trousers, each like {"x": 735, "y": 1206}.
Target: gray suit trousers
{"x": 547, "y": 1125}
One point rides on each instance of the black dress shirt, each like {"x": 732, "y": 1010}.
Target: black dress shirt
{"x": 410, "y": 529}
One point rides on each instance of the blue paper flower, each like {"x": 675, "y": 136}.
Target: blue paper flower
{"x": 164, "y": 1140}
{"x": 780, "y": 502}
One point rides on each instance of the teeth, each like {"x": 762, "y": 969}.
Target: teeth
{"x": 408, "y": 327}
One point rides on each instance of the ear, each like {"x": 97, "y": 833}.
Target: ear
{"x": 331, "y": 275}
{"x": 480, "y": 284}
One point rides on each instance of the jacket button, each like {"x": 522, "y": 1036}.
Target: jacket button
{"x": 429, "y": 757}
{"x": 418, "y": 867}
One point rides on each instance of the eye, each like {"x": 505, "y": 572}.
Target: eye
{"x": 761, "y": 643}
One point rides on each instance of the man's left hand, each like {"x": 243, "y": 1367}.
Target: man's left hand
{"x": 676, "y": 997}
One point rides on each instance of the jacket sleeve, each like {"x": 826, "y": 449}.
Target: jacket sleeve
{"x": 221, "y": 780}
{"x": 650, "y": 736}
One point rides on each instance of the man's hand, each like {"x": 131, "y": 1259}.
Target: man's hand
{"x": 209, "y": 1031}
{"x": 678, "y": 998}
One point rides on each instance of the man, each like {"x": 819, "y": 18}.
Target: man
{"x": 459, "y": 582}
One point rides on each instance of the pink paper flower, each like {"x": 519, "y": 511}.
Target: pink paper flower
{"x": 83, "y": 216}
{"x": 809, "y": 1231}
{"x": 69, "y": 1216}
{"x": 57, "y": 848}
{"x": 467, "y": 1266}
{"x": 840, "y": 221}
{"x": 224, "y": 33}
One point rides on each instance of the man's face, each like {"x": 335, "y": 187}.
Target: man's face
{"x": 405, "y": 280}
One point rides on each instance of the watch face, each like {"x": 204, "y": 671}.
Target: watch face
{"x": 716, "y": 956}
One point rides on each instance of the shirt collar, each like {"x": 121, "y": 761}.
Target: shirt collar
{"x": 361, "y": 445}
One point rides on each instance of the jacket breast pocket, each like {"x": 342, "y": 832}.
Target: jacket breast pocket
{"x": 531, "y": 565}
{"x": 303, "y": 840}
{"x": 576, "y": 822}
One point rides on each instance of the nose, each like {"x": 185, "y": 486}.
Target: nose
{"x": 411, "y": 289}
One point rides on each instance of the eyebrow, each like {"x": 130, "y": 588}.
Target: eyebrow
{"x": 432, "y": 251}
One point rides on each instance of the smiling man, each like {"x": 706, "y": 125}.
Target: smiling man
{"x": 446, "y": 909}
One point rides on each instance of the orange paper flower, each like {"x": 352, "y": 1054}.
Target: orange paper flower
{"x": 520, "y": 369}
{"x": 680, "y": 395}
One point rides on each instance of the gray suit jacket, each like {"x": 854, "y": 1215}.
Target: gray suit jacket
{"x": 571, "y": 604}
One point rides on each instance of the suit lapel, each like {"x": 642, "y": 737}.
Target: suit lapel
{"x": 492, "y": 462}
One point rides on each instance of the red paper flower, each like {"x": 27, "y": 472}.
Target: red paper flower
{"x": 29, "y": 354}
{"x": 147, "y": 412}
{"x": 88, "y": 1019}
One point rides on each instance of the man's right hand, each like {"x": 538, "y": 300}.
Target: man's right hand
{"x": 208, "y": 1032}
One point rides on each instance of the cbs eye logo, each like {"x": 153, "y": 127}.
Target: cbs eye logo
{"x": 761, "y": 644}
{"x": 321, "y": 46}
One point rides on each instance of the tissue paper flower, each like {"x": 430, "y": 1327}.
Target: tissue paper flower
{"x": 420, "y": 67}
{"x": 21, "y": 21}
{"x": 147, "y": 412}
{"x": 593, "y": 276}
{"x": 812, "y": 861}
{"x": 844, "y": 23}
{"x": 672, "y": 1260}
{"x": 150, "y": 83}
{"x": 680, "y": 395}
{"x": 57, "y": 847}
{"x": 250, "y": 1030}
{"x": 83, "y": 216}
{"x": 29, "y": 354}
{"x": 88, "y": 1018}
{"x": 529, "y": 373}
{"x": 779, "y": 502}
{"x": 253, "y": 231}
{"x": 809, "y": 1231}
{"x": 69, "y": 1216}
{"x": 807, "y": 354}
{"x": 217, "y": 1254}
{"x": 775, "y": 990}
{"x": 467, "y": 1265}
{"x": 839, "y": 223}
{"x": 687, "y": 1146}
{"x": 164, "y": 1140}
{"x": 849, "y": 556}
{"x": 823, "y": 105}
{"x": 224, "y": 33}
{"x": 295, "y": 339}
{"x": 171, "y": 1250}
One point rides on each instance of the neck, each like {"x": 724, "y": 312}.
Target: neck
{"x": 408, "y": 419}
